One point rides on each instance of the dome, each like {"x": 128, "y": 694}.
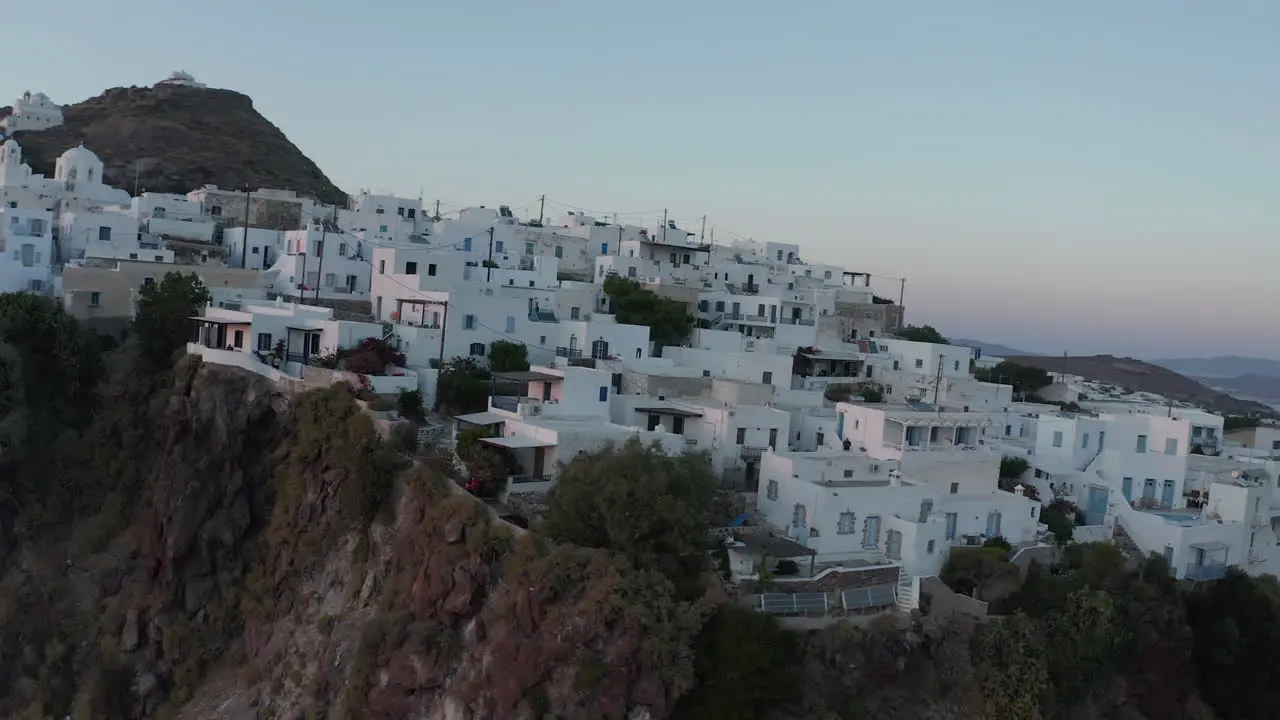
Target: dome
{"x": 78, "y": 154}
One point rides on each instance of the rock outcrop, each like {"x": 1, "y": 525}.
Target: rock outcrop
{"x": 174, "y": 139}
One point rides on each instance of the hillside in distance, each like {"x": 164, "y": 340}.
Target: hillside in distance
{"x": 1138, "y": 375}
{"x": 990, "y": 348}
{"x": 1227, "y": 366}
{"x": 175, "y": 139}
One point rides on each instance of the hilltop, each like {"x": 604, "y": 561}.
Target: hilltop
{"x": 178, "y": 139}
{"x": 1138, "y": 375}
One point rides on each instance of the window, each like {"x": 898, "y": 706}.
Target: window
{"x": 466, "y": 244}
{"x": 1171, "y": 446}
{"x": 1142, "y": 443}
{"x": 677, "y": 422}
{"x": 767, "y": 378}
{"x": 382, "y": 267}
{"x": 238, "y": 339}
{"x": 216, "y": 211}
{"x": 411, "y": 268}
{"x": 264, "y": 342}
{"x": 895, "y": 364}
{"x": 604, "y": 393}
{"x": 469, "y": 322}
{"x": 773, "y": 438}
{"x": 826, "y": 275}
{"x": 1057, "y": 438}
{"x": 848, "y": 523}
{"x": 498, "y": 246}
{"x": 993, "y": 524}
{"x": 542, "y": 339}
{"x": 599, "y": 349}
{"x": 574, "y": 312}
{"x": 379, "y": 211}
{"x": 342, "y": 249}
{"x": 559, "y": 251}
{"x": 95, "y": 299}
{"x": 919, "y": 363}
{"x": 148, "y": 281}
{"x": 820, "y": 438}
{"x": 400, "y": 211}
{"x": 771, "y": 491}
{"x": 706, "y": 373}
{"x": 477, "y": 349}
{"x": 104, "y": 233}
{"x": 955, "y": 488}
{"x": 1084, "y": 440}
{"x": 799, "y": 516}
{"x": 330, "y": 279}
{"x": 957, "y": 366}
{"x": 431, "y": 270}
{"x": 871, "y": 532}
{"x": 604, "y": 248}
{"x": 528, "y": 248}
{"x": 952, "y": 521}
{"x": 382, "y": 228}
{"x": 719, "y": 306}
{"x": 742, "y": 436}
{"x": 511, "y": 323}
{"x": 413, "y": 212}
{"x": 133, "y": 256}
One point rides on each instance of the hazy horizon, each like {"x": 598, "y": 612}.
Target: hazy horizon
{"x": 1087, "y": 178}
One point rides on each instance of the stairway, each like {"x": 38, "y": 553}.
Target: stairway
{"x": 907, "y": 598}
{"x": 1127, "y": 546}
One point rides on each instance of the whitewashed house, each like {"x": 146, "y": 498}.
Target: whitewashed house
{"x": 32, "y": 111}
{"x": 26, "y": 251}
{"x": 320, "y": 262}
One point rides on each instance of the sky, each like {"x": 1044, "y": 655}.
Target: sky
{"x": 1088, "y": 177}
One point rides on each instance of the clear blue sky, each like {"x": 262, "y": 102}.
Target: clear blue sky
{"x": 1092, "y": 176}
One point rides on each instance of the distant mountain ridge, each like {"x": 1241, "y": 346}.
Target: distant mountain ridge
{"x": 1226, "y": 366}
{"x": 176, "y": 139}
{"x": 989, "y": 348}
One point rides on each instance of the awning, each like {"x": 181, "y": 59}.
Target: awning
{"x": 524, "y": 376}
{"x": 514, "y": 442}
{"x": 481, "y": 418}
{"x": 670, "y": 410}
{"x": 218, "y": 321}
{"x": 1210, "y": 545}
{"x": 303, "y": 329}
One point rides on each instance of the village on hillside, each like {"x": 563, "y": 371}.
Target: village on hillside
{"x": 862, "y": 449}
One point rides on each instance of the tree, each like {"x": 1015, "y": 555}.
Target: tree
{"x": 639, "y": 502}
{"x": 1084, "y": 637}
{"x": 1025, "y": 379}
{"x": 974, "y": 570}
{"x": 463, "y": 386}
{"x": 1013, "y": 467}
{"x": 1236, "y": 625}
{"x": 922, "y": 333}
{"x": 507, "y": 356}
{"x": 163, "y": 321}
{"x": 1012, "y": 669}
{"x": 1059, "y": 516}
{"x": 746, "y": 663}
{"x": 669, "y": 320}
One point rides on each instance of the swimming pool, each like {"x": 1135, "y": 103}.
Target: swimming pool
{"x": 1185, "y": 519}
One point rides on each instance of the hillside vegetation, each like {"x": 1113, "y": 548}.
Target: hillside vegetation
{"x": 174, "y": 139}
{"x": 191, "y": 541}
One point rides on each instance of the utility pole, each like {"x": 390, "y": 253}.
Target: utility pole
{"x": 1063, "y": 379}
{"x": 324, "y": 231}
{"x": 703, "y": 231}
{"x": 542, "y": 202}
{"x": 619, "y": 240}
{"x": 444, "y": 325}
{"x": 488, "y": 264}
{"x": 664, "y": 226}
{"x": 937, "y": 382}
{"x": 244, "y": 242}
{"x": 902, "y": 290}
{"x": 437, "y": 215}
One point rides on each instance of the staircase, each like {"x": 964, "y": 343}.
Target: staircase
{"x": 907, "y": 597}
{"x": 1127, "y": 546}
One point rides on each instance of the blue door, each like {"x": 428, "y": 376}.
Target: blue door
{"x": 951, "y": 526}
{"x": 840, "y": 426}
{"x": 993, "y": 524}
{"x": 1097, "y": 507}
{"x": 1128, "y": 488}
{"x": 1149, "y": 490}
{"x": 1166, "y": 497}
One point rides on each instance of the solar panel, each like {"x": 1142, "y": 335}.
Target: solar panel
{"x": 787, "y": 603}
{"x": 868, "y": 597}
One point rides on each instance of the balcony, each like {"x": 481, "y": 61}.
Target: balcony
{"x": 565, "y": 352}
{"x": 796, "y": 321}
{"x": 542, "y": 316}
{"x": 1209, "y": 570}
{"x": 751, "y": 452}
{"x": 27, "y": 230}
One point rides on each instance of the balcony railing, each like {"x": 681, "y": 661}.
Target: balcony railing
{"x": 1209, "y": 570}
{"x": 751, "y": 452}
{"x": 796, "y": 321}
{"x": 521, "y": 479}
{"x": 509, "y": 403}
{"x": 565, "y": 352}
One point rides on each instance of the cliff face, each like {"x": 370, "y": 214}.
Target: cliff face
{"x": 262, "y": 572}
{"x": 177, "y": 139}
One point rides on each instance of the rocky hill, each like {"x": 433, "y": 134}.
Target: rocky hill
{"x": 1141, "y": 376}
{"x": 177, "y": 139}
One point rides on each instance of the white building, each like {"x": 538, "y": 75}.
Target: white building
{"x": 32, "y": 111}
{"x": 320, "y": 262}
{"x": 26, "y": 250}
{"x": 181, "y": 78}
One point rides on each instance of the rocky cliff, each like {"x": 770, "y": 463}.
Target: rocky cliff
{"x": 174, "y": 139}
{"x": 280, "y": 562}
